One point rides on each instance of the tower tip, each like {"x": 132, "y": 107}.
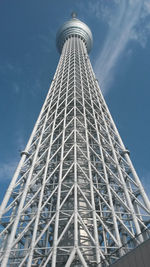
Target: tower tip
{"x": 73, "y": 15}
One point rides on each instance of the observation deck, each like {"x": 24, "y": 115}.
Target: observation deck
{"x": 74, "y": 27}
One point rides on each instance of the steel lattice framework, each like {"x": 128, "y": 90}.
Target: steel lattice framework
{"x": 75, "y": 198}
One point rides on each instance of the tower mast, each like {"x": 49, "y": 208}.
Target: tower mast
{"x": 75, "y": 198}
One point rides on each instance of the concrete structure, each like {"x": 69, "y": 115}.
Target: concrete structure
{"x": 75, "y": 198}
{"x": 138, "y": 257}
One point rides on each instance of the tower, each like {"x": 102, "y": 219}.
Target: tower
{"x": 75, "y": 198}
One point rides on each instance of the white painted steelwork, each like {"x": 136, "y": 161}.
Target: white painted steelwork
{"x": 73, "y": 27}
{"x": 75, "y": 198}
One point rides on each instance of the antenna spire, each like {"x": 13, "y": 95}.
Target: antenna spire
{"x": 73, "y": 15}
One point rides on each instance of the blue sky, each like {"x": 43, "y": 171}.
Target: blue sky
{"x": 120, "y": 58}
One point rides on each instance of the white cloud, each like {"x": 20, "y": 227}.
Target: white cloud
{"x": 10, "y": 67}
{"x": 20, "y": 142}
{"x": 16, "y": 88}
{"x": 127, "y": 20}
{"x": 7, "y": 169}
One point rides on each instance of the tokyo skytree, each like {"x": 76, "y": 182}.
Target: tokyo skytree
{"x": 75, "y": 198}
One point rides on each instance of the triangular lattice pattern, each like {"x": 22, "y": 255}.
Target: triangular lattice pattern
{"x": 75, "y": 199}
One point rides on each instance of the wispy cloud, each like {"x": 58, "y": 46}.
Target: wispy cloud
{"x": 16, "y": 88}
{"x": 10, "y": 67}
{"x": 127, "y": 20}
{"x": 8, "y": 166}
{"x": 20, "y": 142}
{"x": 7, "y": 169}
